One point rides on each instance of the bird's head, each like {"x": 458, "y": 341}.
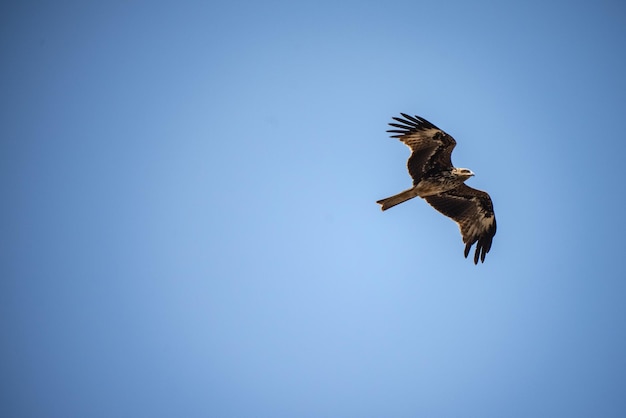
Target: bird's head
{"x": 463, "y": 173}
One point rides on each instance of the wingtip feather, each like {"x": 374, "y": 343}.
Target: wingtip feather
{"x": 415, "y": 118}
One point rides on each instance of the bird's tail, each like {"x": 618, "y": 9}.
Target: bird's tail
{"x": 397, "y": 199}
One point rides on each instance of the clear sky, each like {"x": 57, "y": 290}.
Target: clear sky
{"x": 189, "y": 226}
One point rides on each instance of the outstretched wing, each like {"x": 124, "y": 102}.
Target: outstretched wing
{"x": 430, "y": 146}
{"x": 473, "y": 210}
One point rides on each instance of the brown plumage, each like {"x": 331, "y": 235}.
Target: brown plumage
{"x": 442, "y": 185}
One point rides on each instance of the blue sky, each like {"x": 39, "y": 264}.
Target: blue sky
{"x": 189, "y": 219}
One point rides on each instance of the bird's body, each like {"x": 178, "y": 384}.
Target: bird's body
{"x": 442, "y": 185}
{"x": 428, "y": 185}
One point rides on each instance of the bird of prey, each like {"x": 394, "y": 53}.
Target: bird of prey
{"x": 442, "y": 185}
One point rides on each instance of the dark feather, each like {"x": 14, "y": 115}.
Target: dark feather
{"x": 473, "y": 211}
{"x": 431, "y": 148}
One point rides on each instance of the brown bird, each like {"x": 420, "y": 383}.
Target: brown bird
{"x": 442, "y": 185}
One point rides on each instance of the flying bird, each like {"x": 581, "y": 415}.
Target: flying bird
{"x": 442, "y": 185}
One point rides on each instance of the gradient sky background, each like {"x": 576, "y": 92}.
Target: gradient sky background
{"x": 189, "y": 226}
